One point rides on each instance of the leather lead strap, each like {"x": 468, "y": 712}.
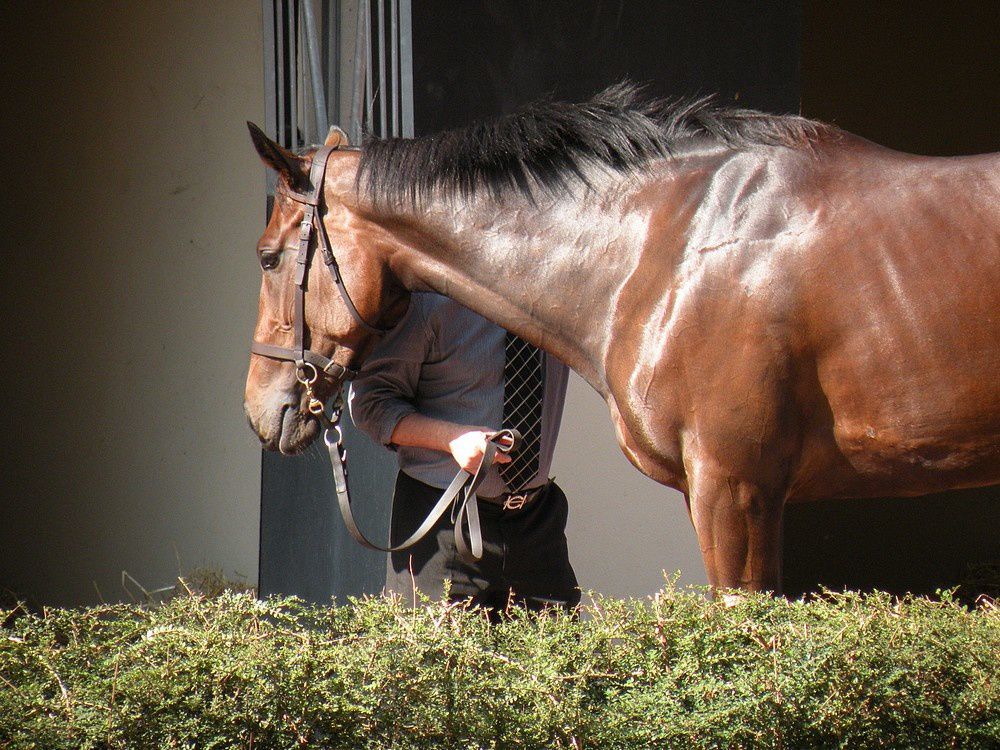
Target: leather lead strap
{"x": 460, "y": 496}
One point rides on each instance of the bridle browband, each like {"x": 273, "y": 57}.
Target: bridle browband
{"x": 460, "y": 495}
{"x": 307, "y": 359}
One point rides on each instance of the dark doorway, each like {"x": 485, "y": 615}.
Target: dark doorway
{"x": 923, "y": 78}
{"x": 486, "y": 57}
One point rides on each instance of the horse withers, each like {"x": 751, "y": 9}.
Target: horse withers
{"x": 773, "y": 309}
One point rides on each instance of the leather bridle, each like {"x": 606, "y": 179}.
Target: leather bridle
{"x": 308, "y": 363}
{"x": 460, "y": 495}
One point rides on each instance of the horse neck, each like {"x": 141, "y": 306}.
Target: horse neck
{"x": 549, "y": 272}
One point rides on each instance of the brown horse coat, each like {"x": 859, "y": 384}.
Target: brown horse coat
{"x": 776, "y": 312}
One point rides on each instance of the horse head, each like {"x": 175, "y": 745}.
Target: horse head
{"x": 303, "y": 310}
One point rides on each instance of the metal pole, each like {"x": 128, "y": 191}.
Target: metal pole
{"x": 357, "y": 89}
{"x": 315, "y": 72}
{"x": 395, "y": 68}
{"x": 293, "y": 72}
{"x": 406, "y": 66}
{"x": 279, "y": 35}
{"x": 369, "y": 99}
{"x": 383, "y": 89}
{"x": 330, "y": 37}
{"x": 270, "y": 84}
{"x": 303, "y": 96}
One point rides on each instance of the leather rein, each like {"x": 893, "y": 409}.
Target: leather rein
{"x": 461, "y": 493}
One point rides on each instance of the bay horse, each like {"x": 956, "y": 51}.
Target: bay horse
{"x": 774, "y": 310}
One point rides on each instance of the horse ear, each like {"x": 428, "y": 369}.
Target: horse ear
{"x": 336, "y": 138}
{"x": 281, "y": 160}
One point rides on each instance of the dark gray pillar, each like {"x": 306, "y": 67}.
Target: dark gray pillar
{"x": 304, "y": 548}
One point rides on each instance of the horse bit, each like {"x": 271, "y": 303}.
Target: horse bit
{"x": 461, "y": 493}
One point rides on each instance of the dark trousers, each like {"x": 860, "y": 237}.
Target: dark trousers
{"x": 525, "y": 558}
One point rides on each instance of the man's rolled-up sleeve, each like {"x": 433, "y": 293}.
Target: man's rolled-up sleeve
{"x": 385, "y": 390}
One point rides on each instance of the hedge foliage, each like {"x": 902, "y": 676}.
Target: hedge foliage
{"x": 675, "y": 671}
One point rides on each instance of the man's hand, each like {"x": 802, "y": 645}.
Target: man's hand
{"x": 467, "y": 449}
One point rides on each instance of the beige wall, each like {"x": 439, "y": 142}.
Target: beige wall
{"x": 130, "y": 291}
{"x": 624, "y": 529}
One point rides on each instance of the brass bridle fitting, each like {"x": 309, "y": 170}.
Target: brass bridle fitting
{"x": 306, "y": 374}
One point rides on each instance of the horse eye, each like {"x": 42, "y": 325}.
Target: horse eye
{"x": 270, "y": 261}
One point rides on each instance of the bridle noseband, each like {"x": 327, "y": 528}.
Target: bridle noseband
{"x": 308, "y": 363}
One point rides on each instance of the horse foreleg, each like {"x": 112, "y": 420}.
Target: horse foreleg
{"x": 739, "y": 532}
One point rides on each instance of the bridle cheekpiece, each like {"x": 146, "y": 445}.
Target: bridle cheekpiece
{"x": 308, "y": 363}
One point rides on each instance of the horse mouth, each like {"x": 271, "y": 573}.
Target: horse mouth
{"x": 297, "y": 433}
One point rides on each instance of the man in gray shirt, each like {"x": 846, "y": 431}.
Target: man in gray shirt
{"x": 432, "y": 389}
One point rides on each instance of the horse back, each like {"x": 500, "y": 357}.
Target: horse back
{"x": 821, "y": 319}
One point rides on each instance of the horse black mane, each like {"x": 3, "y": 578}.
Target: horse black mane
{"x": 548, "y": 144}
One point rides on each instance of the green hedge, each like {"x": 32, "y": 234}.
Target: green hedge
{"x": 675, "y": 671}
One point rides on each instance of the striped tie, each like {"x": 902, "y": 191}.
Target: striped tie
{"x": 524, "y": 377}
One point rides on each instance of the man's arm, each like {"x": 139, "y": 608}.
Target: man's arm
{"x": 465, "y": 443}
{"x": 382, "y": 400}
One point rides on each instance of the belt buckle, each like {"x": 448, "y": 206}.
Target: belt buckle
{"x": 515, "y": 502}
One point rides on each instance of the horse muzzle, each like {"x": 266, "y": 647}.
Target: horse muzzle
{"x": 298, "y": 429}
{"x": 282, "y": 420}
